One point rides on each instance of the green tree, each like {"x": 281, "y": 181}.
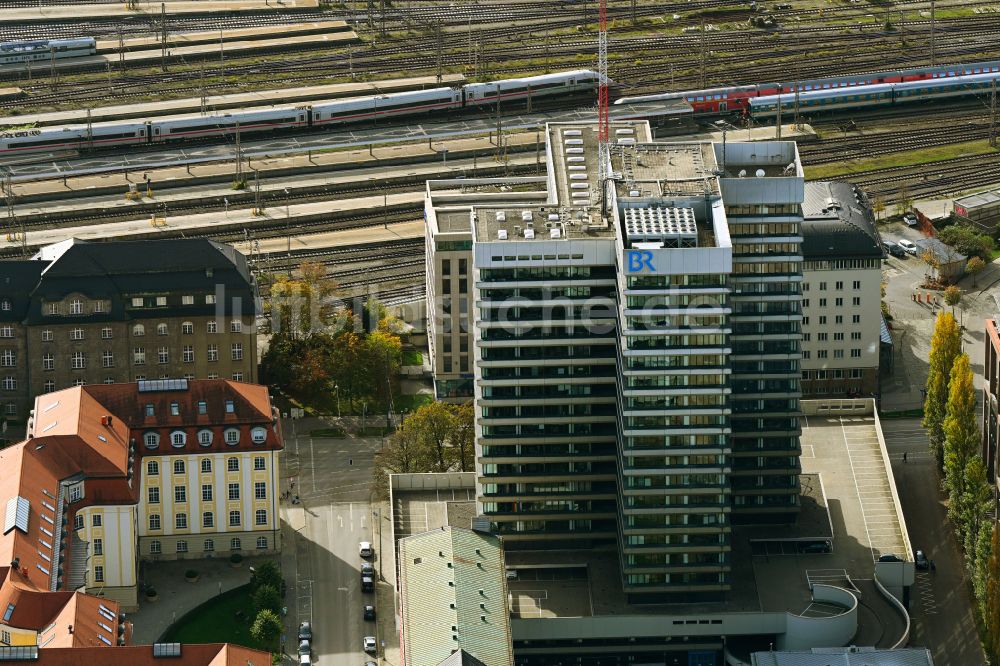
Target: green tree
{"x": 382, "y": 357}
{"x": 266, "y": 597}
{"x": 981, "y": 571}
{"x": 945, "y": 347}
{"x": 991, "y": 612}
{"x": 266, "y": 628}
{"x": 967, "y": 241}
{"x": 961, "y": 435}
{"x": 973, "y": 266}
{"x": 435, "y": 425}
{"x": 347, "y": 365}
{"x": 464, "y": 438}
{"x": 266, "y": 573}
{"x": 299, "y": 306}
{"x": 952, "y": 296}
{"x": 974, "y": 507}
{"x": 405, "y": 453}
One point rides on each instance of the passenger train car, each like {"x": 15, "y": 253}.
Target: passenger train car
{"x": 317, "y": 114}
{"x": 737, "y": 98}
{"x": 45, "y": 49}
{"x": 883, "y": 94}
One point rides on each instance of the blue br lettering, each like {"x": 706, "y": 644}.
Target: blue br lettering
{"x": 639, "y": 259}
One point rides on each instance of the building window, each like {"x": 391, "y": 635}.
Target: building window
{"x": 212, "y": 326}
{"x": 187, "y": 328}
{"x": 5, "y": 304}
{"x": 182, "y": 546}
{"x": 838, "y": 353}
{"x": 208, "y": 519}
{"x": 206, "y": 465}
{"x": 106, "y": 333}
{"x": 237, "y": 376}
{"x": 209, "y": 546}
{"x": 206, "y": 492}
{"x": 806, "y": 337}
{"x": 821, "y": 337}
{"x": 205, "y": 437}
{"x": 838, "y": 336}
{"x": 839, "y": 319}
{"x": 8, "y": 358}
{"x": 107, "y": 358}
{"x": 855, "y": 335}
{"x": 856, "y": 301}
{"x": 97, "y": 520}
{"x": 838, "y": 374}
{"x": 46, "y": 335}
{"x": 153, "y": 468}
{"x": 839, "y": 285}
{"x": 48, "y": 362}
{"x": 839, "y": 302}
{"x": 235, "y": 326}
{"x": 258, "y": 463}
{"x": 109, "y": 380}
{"x": 139, "y": 356}
{"x": 230, "y": 407}
{"x": 78, "y": 382}
{"x": 213, "y": 353}
{"x": 76, "y": 334}
{"x": 234, "y": 518}
{"x": 234, "y": 544}
{"x": 181, "y": 521}
{"x": 161, "y": 329}
{"x": 822, "y": 320}
{"x": 98, "y": 546}
{"x": 212, "y": 375}
{"x": 259, "y": 490}
{"x": 137, "y": 302}
{"x": 9, "y": 384}
{"x": 138, "y": 330}
{"x": 821, "y": 353}
{"x": 232, "y": 436}
{"x": 99, "y": 306}
{"x": 79, "y": 360}
{"x": 855, "y": 353}
{"x": 154, "y": 495}
{"x": 163, "y": 355}
{"x": 822, "y": 286}
{"x": 855, "y": 373}
{"x": 6, "y": 331}
{"x": 232, "y": 464}
{"x": 98, "y": 574}
{"x": 78, "y": 522}
{"x": 161, "y": 301}
{"x": 855, "y": 319}
{"x": 237, "y": 350}
{"x": 10, "y": 409}
{"x": 151, "y": 440}
{"x": 49, "y": 386}
{"x": 202, "y": 407}
{"x": 180, "y": 494}
{"x": 53, "y": 308}
{"x": 209, "y": 299}
{"x": 154, "y": 521}
{"x": 258, "y": 435}
{"x": 822, "y": 302}
{"x": 178, "y": 467}
{"x": 234, "y": 491}
{"x": 187, "y": 299}
{"x": 155, "y": 548}
{"x": 260, "y": 517}
{"x": 262, "y": 543}
{"x": 856, "y": 285}
{"x": 188, "y": 354}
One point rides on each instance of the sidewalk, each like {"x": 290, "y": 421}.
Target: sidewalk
{"x": 388, "y": 629}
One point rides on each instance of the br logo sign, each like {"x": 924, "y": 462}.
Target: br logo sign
{"x": 639, "y": 260}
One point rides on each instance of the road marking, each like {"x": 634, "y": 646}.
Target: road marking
{"x": 312, "y": 463}
{"x": 351, "y": 509}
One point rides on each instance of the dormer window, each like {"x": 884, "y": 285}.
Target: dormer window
{"x": 205, "y": 437}
{"x": 5, "y": 304}
{"x": 230, "y": 407}
{"x": 202, "y": 407}
{"x": 76, "y": 306}
{"x": 178, "y": 438}
{"x": 258, "y": 435}
{"x": 151, "y": 440}
{"x": 232, "y": 436}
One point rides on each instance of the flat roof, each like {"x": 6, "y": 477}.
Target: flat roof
{"x": 538, "y": 223}
{"x": 979, "y": 199}
{"x": 665, "y": 169}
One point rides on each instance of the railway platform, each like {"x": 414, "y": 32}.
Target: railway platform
{"x": 327, "y": 239}
{"x": 189, "y": 52}
{"x": 259, "y": 98}
{"x": 294, "y": 216}
{"x": 64, "y": 13}
{"x": 386, "y": 157}
{"x": 105, "y": 46}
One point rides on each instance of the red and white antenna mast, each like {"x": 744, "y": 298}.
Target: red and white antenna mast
{"x": 603, "y": 155}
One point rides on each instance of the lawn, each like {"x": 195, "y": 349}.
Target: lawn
{"x": 413, "y": 358}
{"x": 215, "y": 621}
{"x": 410, "y": 403}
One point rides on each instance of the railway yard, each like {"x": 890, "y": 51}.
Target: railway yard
{"x": 352, "y": 206}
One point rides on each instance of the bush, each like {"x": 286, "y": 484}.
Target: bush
{"x": 266, "y": 598}
{"x": 150, "y": 591}
{"x": 190, "y": 573}
{"x": 967, "y": 241}
{"x": 235, "y": 558}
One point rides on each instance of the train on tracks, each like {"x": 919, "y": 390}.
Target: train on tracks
{"x": 316, "y": 114}
{"x": 46, "y": 49}
{"x": 740, "y": 99}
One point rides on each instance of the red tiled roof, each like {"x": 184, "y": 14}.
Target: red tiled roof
{"x": 214, "y": 654}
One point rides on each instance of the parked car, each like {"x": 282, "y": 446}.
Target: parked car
{"x": 910, "y": 219}
{"x": 817, "y": 547}
{"x": 305, "y": 632}
{"x": 921, "y": 561}
{"x": 894, "y": 249}
{"x": 305, "y": 647}
{"x": 889, "y": 558}
{"x": 367, "y": 569}
{"x": 305, "y": 660}
{"x": 369, "y": 644}
{"x": 369, "y": 613}
{"x": 367, "y": 584}
{"x": 908, "y": 246}
{"x": 365, "y": 549}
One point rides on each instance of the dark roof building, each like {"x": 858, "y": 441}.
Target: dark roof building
{"x": 838, "y": 223}
{"x": 86, "y": 313}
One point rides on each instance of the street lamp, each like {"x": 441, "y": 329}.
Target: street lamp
{"x": 337, "y": 389}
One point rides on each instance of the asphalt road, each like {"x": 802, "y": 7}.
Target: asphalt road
{"x": 334, "y": 484}
{"x": 413, "y": 129}
{"x": 940, "y": 601}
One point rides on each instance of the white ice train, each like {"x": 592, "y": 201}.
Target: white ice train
{"x": 316, "y": 114}
{"x": 46, "y": 49}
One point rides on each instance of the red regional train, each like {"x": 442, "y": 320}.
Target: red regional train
{"x": 735, "y": 98}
